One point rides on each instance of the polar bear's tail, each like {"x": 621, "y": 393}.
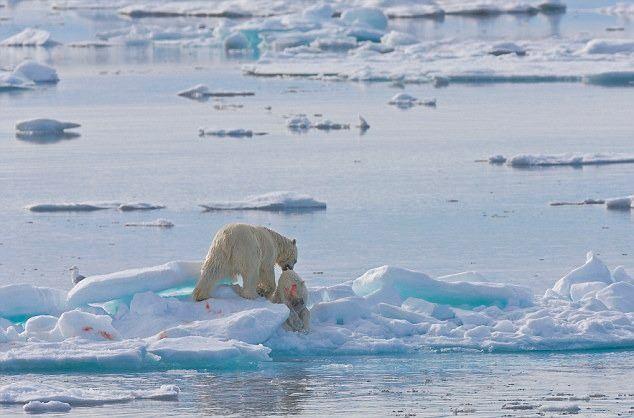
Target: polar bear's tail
{"x": 210, "y": 275}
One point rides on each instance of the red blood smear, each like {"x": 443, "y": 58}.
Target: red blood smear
{"x": 106, "y": 335}
{"x": 86, "y": 329}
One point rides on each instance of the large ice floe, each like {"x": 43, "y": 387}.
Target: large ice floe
{"x": 26, "y": 75}
{"x": 30, "y": 37}
{"x": 273, "y": 201}
{"x": 93, "y": 206}
{"x": 570, "y": 159}
{"x": 144, "y": 319}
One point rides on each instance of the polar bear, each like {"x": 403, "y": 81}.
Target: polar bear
{"x": 249, "y": 251}
{"x": 291, "y": 291}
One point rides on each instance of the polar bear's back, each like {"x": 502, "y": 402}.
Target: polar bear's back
{"x": 238, "y": 244}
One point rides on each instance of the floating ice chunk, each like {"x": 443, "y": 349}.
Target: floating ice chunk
{"x": 237, "y": 41}
{"x": 594, "y": 270}
{"x": 30, "y": 37}
{"x": 504, "y": 48}
{"x": 583, "y": 202}
{"x": 395, "y": 38}
{"x": 69, "y": 207}
{"x": 128, "y": 207}
{"x": 201, "y": 91}
{"x": 44, "y": 126}
{"x": 545, "y": 160}
{"x": 497, "y": 159}
{"x": 327, "y": 125}
{"x": 234, "y": 133}
{"x": 609, "y": 46}
{"x": 37, "y": 407}
{"x": 196, "y": 92}
{"x": 403, "y": 100}
{"x": 36, "y": 72}
{"x": 365, "y": 16}
{"x": 125, "y": 283}
{"x": 12, "y": 82}
{"x": 618, "y": 296}
{"x": 619, "y": 203}
{"x": 17, "y": 393}
{"x": 159, "y": 223}
{"x": 40, "y": 326}
{"x": 273, "y": 201}
{"x": 440, "y": 81}
{"x": 197, "y": 351}
{"x": 26, "y": 299}
{"x": 394, "y": 285}
{"x": 298, "y": 123}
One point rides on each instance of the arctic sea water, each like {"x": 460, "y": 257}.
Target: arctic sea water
{"x": 408, "y": 192}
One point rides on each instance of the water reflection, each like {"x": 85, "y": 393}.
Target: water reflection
{"x": 48, "y": 138}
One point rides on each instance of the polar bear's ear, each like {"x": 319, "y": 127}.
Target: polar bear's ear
{"x": 294, "y": 241}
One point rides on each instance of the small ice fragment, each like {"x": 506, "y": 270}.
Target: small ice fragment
{"x": 619, "y": 203}
{"x": 298, "y": 123}
{"x": 128, "y": 207}
{"x": 439, "y": 81}
{"x": 235, "y": 133}
{"x": 370, "y": 17}
{"x": 44, "y": 126}
{"x": 497, "y": 159}
{"x": 37, "y": 407}
{"x": 36, "y": 72}
{"x": 159, "y": 223}
{"x": 564, "y": 409}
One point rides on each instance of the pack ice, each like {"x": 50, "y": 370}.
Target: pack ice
{"x": 273, "y": 201}
{"x": 144, "y": 319}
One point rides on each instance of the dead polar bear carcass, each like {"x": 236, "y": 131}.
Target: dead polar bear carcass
{"x": 291, "y": 291}
{"x": 249, "y": 251}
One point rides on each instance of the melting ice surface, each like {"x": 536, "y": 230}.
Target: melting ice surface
{"x": 144, "y": 319}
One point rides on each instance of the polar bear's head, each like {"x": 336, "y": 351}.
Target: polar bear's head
{"x": 287, "y": 257}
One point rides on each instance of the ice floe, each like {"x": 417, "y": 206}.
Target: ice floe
{"x": 44, "y": 126}
{"x": 43, "y": 397}
{"x": 201, "y": 91}
{"x": 609, "y": 46}
{"x": 405, "y": 101}
{"x": 145, "y": 319}
{"x": 30, "y": 37}
{"x": 38, "y": 407}
{"x": 273, "y": 201}
{"x": 235, "y": 133}
{"x": 36, "y": 72}
{"x": 619, "y": 203}
{"x": 26, "y": 299}
{"x": 550, "y": 160}
{"x": 93, "y": 206}
{"x": 159, "y": 223}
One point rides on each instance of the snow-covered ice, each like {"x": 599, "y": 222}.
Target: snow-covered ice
{"x": 273, "y": 201}
{"x": 42, "y": 393}
{"x": 405, "y": 101}
{"x": 36, "y": 72}
{"x": 140, "y": 206}
{"x": 145, "y": 319}
{"x": 44, "y": 126}
{"x": 38, "y": 407}
{"x": 570, "y": 159}
{"x": 26, "y": 299}
{"x": 30, "y": 37}
{"x": 619, "y": 203}
{"x": 202, "y": 91}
